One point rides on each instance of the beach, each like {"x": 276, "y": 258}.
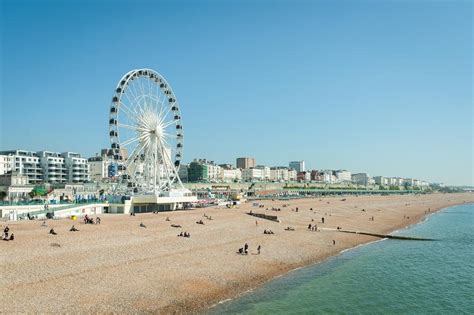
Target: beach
{"x": 120, "y": 267}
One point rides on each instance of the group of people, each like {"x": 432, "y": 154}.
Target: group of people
{"x": 200, "y": 222}
{"x": 185, "y": 234}
{"x": 268, "y": 232}
{"x": 313, "y": 227}
{"x": 89, "y": 220}
{"x": 245, "y": 250}
{"x": 6, "y": 236}
{"x": 207, "y": 216}
{"x": 289, "y": 228}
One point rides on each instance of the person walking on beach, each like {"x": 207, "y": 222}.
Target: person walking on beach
{"x": 256, "y": 223}
{"x": 258, "y": 249}
{"x": 322, "y": 220}
{"x": 334, "y": 242}
{"x": 246, "y": 247}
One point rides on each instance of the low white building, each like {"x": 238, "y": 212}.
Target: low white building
{"x": 6, "y": 162}
{"x": 292, "y": 175}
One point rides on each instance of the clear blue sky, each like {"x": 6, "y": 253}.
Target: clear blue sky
{"x": 378, "y": 86}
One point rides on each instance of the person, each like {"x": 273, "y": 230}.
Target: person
{"x": 44, "y": 223}
{"x": 5, "y": 231}
{"x": 333, "y": 242}
{"x": 97, "y": 220}
{"x": 309, "y": 226}
{"x": 142, "y": 225}
{"x": 167, "y": 218}
{"x": 52, "y": 232}
{"x": 246, "y": 247}
{"x": 12, "y": 237}
{"x": 259, "y": 248}
{"x": 73, "y": 229}
{"x": 322, "y": 219}
{"x": 180, "y": 234}
{"x": 29, "y": 216}
{"x": 256, "y": 223}
{"x": 241, "y": 251}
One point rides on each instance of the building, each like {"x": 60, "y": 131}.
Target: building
{"x": 230, "y": 174}
{"x": 6, "y": 163}
{"x": 203, "y": 170}
{"x": 380, "y": 180}
{"x": 279, "y": 173}
{"x": 292, "y": 174}
{"x": 245, "y": 162}
{"x": 24, "y": 163}
{"x": 303, "y": 176}
{"x": 265, "y": 171}
{"x": 99, "y": 168}
{"x": 343, "y": 176}
{"x": 49, "y": 167}
{"x": 297, "y": 165}
{"x": 362, "y": 179}
{"x": 183, "y": 172}
{"x": 253, "y": 174}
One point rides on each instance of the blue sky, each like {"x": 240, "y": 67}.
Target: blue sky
{"x": 377, "y": 86}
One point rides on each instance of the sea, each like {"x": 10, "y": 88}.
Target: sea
{"x": 384, "y": 277}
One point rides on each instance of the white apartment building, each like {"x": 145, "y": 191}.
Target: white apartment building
{"x": 292, "y": 174}
{"x": 328, "y": 177}
{"x": 213, "y": 171}
{"x": 253, "y": 174}
{"x": 54, "y": 169}
{"x": 362, "y": 179}
{"x": 24, "y": 163}
{"x": 230, "y": 175}
{"x": 77, "y": 167}
{"x": 297, "y": 165}
{"x": 265, "y": 170}
{"x": 5, "y": 164}
{"x": 279, "y": 174}
{"x": 343, "y": 176}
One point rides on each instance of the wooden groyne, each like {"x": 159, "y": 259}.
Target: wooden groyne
{"x": 264, "y": 216}
{"x": 396, "y": 237}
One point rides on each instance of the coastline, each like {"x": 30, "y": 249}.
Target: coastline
{"x": 424, "y": 218}
{"x": 135, "y": 270}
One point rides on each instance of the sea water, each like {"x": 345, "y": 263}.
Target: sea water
{"x": 384, "y": 277}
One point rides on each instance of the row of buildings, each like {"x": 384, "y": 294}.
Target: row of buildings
{"x": 70, "y": 167}
{"x": 45, "y": 166}
{"x": 200, "y": 170}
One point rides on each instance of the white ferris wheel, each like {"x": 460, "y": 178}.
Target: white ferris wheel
{"x": 146, "y": 133}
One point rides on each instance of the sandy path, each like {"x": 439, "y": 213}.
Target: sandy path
{"x": 122, "y": 268}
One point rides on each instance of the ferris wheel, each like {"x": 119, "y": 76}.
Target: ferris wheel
{"x": 146, "y": 133}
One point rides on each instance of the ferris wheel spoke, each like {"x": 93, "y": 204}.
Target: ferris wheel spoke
{"x": 169, "y": 123}
{"x": 129, "y": 141}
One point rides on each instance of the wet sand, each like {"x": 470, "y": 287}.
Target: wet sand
{"x": 120, "y": 267}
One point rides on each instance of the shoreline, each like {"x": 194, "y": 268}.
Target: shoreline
{"x": 152, "y": 271}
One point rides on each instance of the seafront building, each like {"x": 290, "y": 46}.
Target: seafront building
{"x": 47, "y": 166}
{"x": 99, "y": 168}
{"x": 362, "y": 179}
{"x": 245, "y": 162}
{"x": 297, "y": 165}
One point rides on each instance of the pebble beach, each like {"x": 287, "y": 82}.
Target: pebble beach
{"x": 121, "y": 267}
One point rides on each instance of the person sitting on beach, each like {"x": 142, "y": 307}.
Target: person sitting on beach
{"x": 309, "y": 226}
{"x": 142, "y": 225}
{"x": 180, "y": 234}
{"x": 5, "y": 231}
{"x": 176, "y": 225}
{"x": 264, "y": 231}
{"x": 52, "y": 232}
{"x": 241, "y": 251}
{"x": 12, "y": 237}
{"x": 97, "y": 220}
{"x": 258, "y": 249}
{"x": 168, "y": 219}
{"x": 199, "y": 222}
{"x": 73, "y": 229}
{"x": 186, "y": 234}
